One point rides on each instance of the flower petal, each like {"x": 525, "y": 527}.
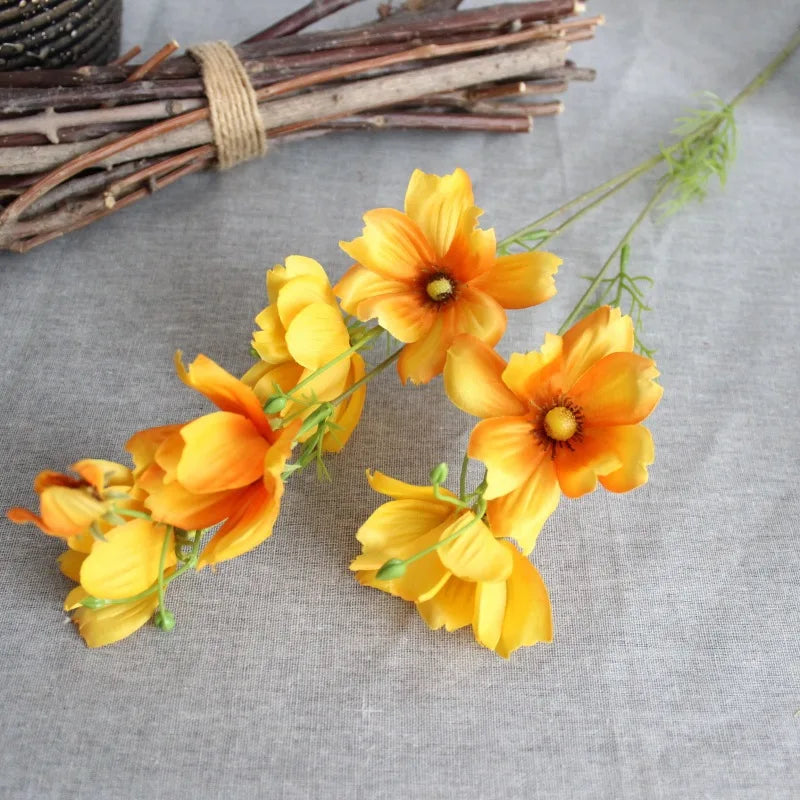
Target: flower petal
{"x": 577, "y": 469}
{"x": 404, "y": 491}
{"x": 535, "y": 376}
{"x": 473, "y": 380}
{"x": 528, "y": 617}
{"x": 391, "y": 245}
{"x": 100, "y": 473}
{"x": 474, "y": 555}
{"x": 507, "y": 447}
{"x": 423, "y": 360}
{"x": 490, "y": 608}
{"x": 69, "y": 562}
{"x": 521, "y": 280}
{"x": 406, "y": 315}
{"x": 299, "y": 293}
{"x": 222, "y": 451}
{"x": 66, "y": 512}
{"x": 108, "y": 625}
{"x": 224, "y": 391}
{"x": 395, "y": 527}
{"x": 436, "y": 204}
{"x": 602, "y": 332}
{"x": 359, "y": 283}
{"x": 452, "y": 607}
{"x": 270, "y": 341}
{"x": 620, "y": 389}
{"x": 177, "y": 506}
{"x": 348, "y": 413}
{"x": 127, "y": 562}
{"x": 472, "y": 251}
{"x": 520, "y": 514}
{"x": 285, "y": 376}
{"x": 316, "y": 335}
{"x": 296, "y": 267}
{"x": 633, "y": 444}
{"x": 143, "y": 445}
{"x": 479, "y": 315}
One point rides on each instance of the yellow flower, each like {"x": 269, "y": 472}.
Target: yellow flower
{"x": 430, "y": 274}
{"x": 222, "y": 467}
{"x": 301, "y": 330}
{"x": 126, "y": 564}
{"x": 473, "y": 579}
{"x": 557, "y": 420}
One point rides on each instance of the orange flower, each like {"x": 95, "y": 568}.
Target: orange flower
{"x": 472, "y": 579}
{"x": 225, "y": 466}
{"x": 301, "y": 330}
{"x": 557, "y": 420}
{"x": 430, "y": 274}
{"x": 71, "y": 508}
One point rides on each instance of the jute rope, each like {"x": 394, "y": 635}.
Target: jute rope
{"x": 235, "y": 120}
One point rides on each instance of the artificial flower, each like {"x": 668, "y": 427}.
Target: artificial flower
{"x": 556, "y": 421}
{"x": 430, "y": 274}
{"x": 474, "y": 579}
{"x": 222, "y": 467}
{"x": 300, "y": 332}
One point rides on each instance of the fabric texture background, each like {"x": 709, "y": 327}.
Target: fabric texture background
{"x": 675, "y": 669}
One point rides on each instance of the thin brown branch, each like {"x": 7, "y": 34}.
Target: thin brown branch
{"x": 148, "y": 66}
{"x": 300, "y": 19}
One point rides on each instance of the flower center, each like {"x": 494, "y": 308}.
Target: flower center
{"x": 560, "y": 423}
{"x": 440, "y": 288}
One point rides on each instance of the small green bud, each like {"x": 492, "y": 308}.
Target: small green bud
{"x": 275, "y": 404}
{"x": 94, "y": 602}
{"x": 164, "y": 619}
{"x": 254, "y": 352}
{"x": 439, "y": 474}
{"x": 393, "y": 568}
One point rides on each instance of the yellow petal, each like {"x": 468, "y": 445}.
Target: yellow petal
{"x": 395, "y": 527}
{"x": 296, "y": 266}
{"x": 348, "y": 413}
{"x": 602, "y": 332}
{"x": 143, "y": 445}
{"x": 536, "y": 376}
{"x": 452, "y": 607}
{"x": 400, "y": 490}
{"x": 100, "y": 473}
{"x": 391, "y": 245}
{"x": 69, "y": 562}
{"x": 127, "y": 562}
{"x": 475, "y": 555}
{"x": 222, "y": 451}
{"x": 528, "y": 617}
{"x": 423, "y": 360}
{"x": 359, "y": 283}
{"x": 300, "y": 293}
{"x": 66, "y": 512}
{"x": 284, "y": 376}
{"x": 316, "y": 335}
{"x": 634, "y": 447}
{"x": 521, "y": 280}
{"x": 521, "y": 514}
{"x": 473, "y": 380}
{"x": 436, "y": 205}
{"x": 270, "y": 341}
{"x": 507, "y": 447}
{"x": 108, "y": 625}
{"x": 168, "y": 456}
{"x": 479, "y": 315}
{"x": 406, "y": 315}
{"x": 619, "y": 389}
{"x": 490, "y": 609}
{"x": 74, "y": 598}
{"x": 577, "y": 469}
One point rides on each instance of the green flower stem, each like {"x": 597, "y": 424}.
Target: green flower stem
{"x": 595, "y": 282}
{"x": 444, "y": 498}
{"x": 162, "y": 588}
{"x": 368, "y": 377}
{"x": 462, "y": 481}
{"x": 368, "y": 337}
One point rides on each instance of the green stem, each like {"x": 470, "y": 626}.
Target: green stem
{"x": 367, "y": 378}
{"x": 462, "y": 481}
{"x": 161, "y": 563}
{"x": 651, "y": 203}
{"x": 768, "y": 71}
{"x": 446, "y": 540}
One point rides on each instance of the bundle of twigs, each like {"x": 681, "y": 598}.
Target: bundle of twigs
{"x": 79, "y": 144}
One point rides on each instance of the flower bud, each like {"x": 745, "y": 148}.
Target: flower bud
{"x": 439, "y": 474}
{"x": 94, "y": 602}
{"x": 275, "y": 404}
{"x": 393, "y": 568}
{"x": 164, "y": 619}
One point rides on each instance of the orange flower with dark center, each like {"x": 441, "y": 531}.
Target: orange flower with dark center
{"x": 429, "y": 274}
{"x": 557, "y": 420}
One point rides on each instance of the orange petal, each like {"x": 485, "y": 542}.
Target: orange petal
{"x": 521, "y": 514}
{"x": 168, "y": 456}
{"x": 507, "y": 447}
{"x": 66, "y": 512}
{"x": 602, "y": 332}
{"x": 578, "y": 469}
{"x": 21, "y": 516}
{"x": 479, "y": 315}
{"x": 633, "y": 444}
{"x": 222, "y": 451}
{"x": 127, "y": 562}
{"x": 405, "y": 315}
{"x": 391, "y": 245}
{"x": 49, "y": 477}
{"x": 143, "y": 445}
{"x": 473, "y": 380}
{"x": 451, "y": 607}
{"x": 528, "y": 617}
{"x": 404, "y": 491}
{"x": 224, "y": 391}
{"x": 472, "y": 252}
{"x": 100, "y": 473}
{"x": 316, "y": 335}
{"x": 619, "y": 389}
{"x": 423, "y": 360}
{"x": 536, "y": 376}
{"x": 474, "y": 555}
{"x": 521, "y": 280}
{"x": 436, "y": 204}
{"x": 108, "y": 625}
{"x": 348, "y": 413}
{"x": 177, "y": 506}
{"x": 359, "y": 283}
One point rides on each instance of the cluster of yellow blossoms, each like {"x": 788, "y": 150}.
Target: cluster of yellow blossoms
{"x": 552, "y": 421}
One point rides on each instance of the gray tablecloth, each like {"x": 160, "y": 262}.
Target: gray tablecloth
{"x": 674, "y": 671}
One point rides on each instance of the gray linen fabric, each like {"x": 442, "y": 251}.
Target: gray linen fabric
{"x": 674, "y": 671}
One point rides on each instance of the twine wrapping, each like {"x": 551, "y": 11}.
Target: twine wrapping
{"x": 235, "y": 119}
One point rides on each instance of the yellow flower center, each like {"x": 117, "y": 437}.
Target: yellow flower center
{"x": 440, "y": 288}
{"x": 560, "y": 424}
